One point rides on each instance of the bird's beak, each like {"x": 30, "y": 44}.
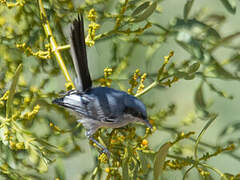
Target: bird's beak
{"x": 147, "y": 123}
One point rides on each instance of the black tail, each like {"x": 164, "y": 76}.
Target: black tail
{"x": 79, "y": 54}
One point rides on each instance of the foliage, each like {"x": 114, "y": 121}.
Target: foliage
{"x": 34, "y": 51}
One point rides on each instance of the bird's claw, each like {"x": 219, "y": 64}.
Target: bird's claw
{"x": 106, "y": 151}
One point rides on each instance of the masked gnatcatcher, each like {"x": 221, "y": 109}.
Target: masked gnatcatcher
{"x": 100, "y": 106}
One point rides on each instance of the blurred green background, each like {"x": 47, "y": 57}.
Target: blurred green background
{"x": 20, "y": 23}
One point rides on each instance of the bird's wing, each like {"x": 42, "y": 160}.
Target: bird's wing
{"x": 79, "y": 54}
{"x": 79, "y": 102}
{"x": 86, "y": 105}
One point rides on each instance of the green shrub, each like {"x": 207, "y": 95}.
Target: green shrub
{"x": 38, "y": 138}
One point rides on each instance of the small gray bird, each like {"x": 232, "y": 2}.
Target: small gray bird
{"x": 101, "y": 106}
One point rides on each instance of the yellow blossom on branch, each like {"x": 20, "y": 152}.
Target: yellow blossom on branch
{"x": 40, "y": 54}
{"x": 92, "y": 27}
{"x": 141, "y": 85}
{"x": 32, "y": 114}
{"x": 106, "y": 81}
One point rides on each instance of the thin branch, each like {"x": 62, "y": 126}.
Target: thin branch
{"x": 53, "y": 43}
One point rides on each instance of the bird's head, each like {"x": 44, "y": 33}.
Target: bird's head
{"x": 137, "y": 109}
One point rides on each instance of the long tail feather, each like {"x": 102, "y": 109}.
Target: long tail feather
{"x": 79, "y": 54}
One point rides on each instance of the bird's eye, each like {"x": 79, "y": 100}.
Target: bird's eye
{"x": 143, "y": 117}
{"x": 140, "y": 115}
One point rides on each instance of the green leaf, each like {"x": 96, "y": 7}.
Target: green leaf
{"x": 135, "y": 169}
{"x": 191, "y": 25}
{"x": 212, "y": 118}
{"x": 33, "y": 155}
{"x": 219, "y": 92}
{"x": 43, "y": 166}
{"x": 189, "y": 77}
{"x": 145, "y": 14}
{"x": 180, "y": 74}
{"x": 60, "y": 170}
{"x": 187, "y": 38}
{"x": 220, "y": 72}
{"x": 187, "y": 8}
{"x": 230, "y": 5}
{"x": 125, "y": 170}
{"x": 230, "y": 129}
{"x": 125, "y": 166}
{"x": 159, "y": 160}
{"x": 194, "y": 67}
{"x": 12, "y": 91}
{"x": 3, "y": 137}
{"x": 140, "y": 8}
{"x": 229, "y": 176}
{"x": 193, "y": 46}
{"x": 199, "y": 99}
{"x": 143, "y": 161}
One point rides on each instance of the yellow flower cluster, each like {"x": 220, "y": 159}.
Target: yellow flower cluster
{"x": 4, "y": 98}
{"x": 16, "y": 145}
{"x": 32, "y": 114}
{"x": 107, "y": 170}
{"x": 92, "y": 27}
{"x": 92, "y": 15}
{"x": 166, "y": 58}
{"x": 176, "y": 164}
{"x": 106, "y": 81}
{"x": 10, "y": 138}
{"x": 203, "y": 172}
{"x": 56, "y": 128}
{"x": 134, "y": 82}
{"x": 207, "y": 156}
{"x": 141, "y": 85}
{"x": 182, "y": 135}
{"x": 40, "y": 54}
{"x": 103, "y": 158}
{"x": 11, "y": 4}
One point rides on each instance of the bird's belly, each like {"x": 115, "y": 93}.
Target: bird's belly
{"x": 119, "y": 123}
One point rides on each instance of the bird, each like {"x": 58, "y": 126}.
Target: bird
{"x": 97, "y": 107}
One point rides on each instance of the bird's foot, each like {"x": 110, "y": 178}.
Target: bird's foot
{"x": 106, "y": 151}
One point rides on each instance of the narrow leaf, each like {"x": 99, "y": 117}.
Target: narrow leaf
{"x": 220, "y": 72}
{"x": 180, "y": 74}
{"x": 140, "y": 8}
{"x": 187, "y": 8}
{"x": 60, "y": 170}
{"x": 159, "y": 160}
{"x": 125, "y": 171}
{"x": 143, "y": 161}
{"x": 43, "y": 166}
{"x": 194, "y": 67}
{"x": 189, "y": 77}
{"x": 199, "y": 99}
{"x": 12, "y": 91}
{"x": 230, "y": 129}
{"x": 213, "y": 117}
{"x": 125, "y": 167}
{"x": 148, "y": 12}
{"x": 230, "y": 5}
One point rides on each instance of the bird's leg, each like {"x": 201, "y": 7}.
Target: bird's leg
{"x": 104, "y": 149}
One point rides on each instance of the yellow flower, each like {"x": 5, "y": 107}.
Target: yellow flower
{"x": 107, "y": 170}
{"x": 144, "y": 142}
